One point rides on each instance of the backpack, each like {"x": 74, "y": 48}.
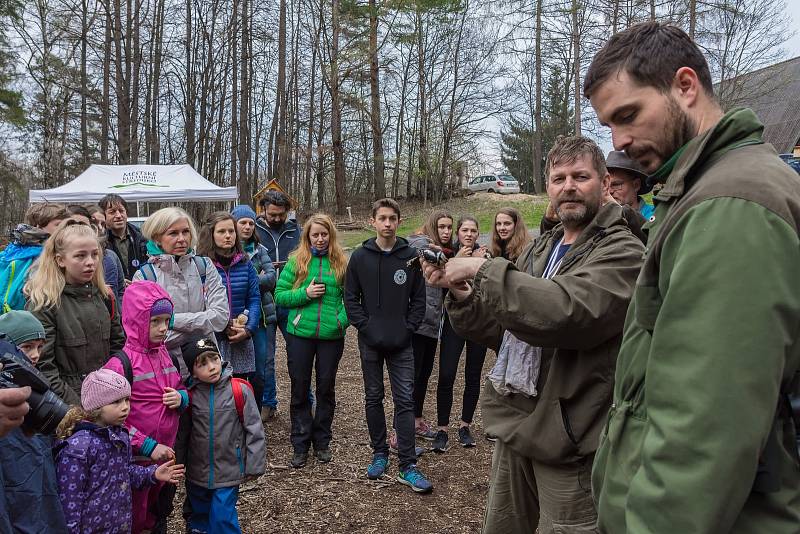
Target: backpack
{"x": 13, "y": 267}
{"x": 127, "y": 368}
{"x": 238, "y": 397}
{"x": 199, "y": 263}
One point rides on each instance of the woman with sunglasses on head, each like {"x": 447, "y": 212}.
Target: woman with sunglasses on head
{"x": 78, "y": 310}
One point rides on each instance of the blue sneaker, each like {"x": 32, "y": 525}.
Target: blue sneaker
{"x": 412, "y": 478}
{"x": 377, "y": 468}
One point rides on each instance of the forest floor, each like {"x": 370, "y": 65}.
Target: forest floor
{"x": 337, "y": 497}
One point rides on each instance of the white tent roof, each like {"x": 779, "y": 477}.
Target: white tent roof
{"x": 137, "y": 183}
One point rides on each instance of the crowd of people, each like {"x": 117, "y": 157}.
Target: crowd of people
{"x": 646, "y": 354}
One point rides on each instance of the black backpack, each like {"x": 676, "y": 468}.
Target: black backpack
{"x": 127, "y": 368}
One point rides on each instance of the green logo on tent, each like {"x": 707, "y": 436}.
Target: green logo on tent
{"x": 120, "y": 186}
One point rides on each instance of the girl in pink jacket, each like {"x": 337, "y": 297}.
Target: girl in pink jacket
{"x": 157, "y": 394}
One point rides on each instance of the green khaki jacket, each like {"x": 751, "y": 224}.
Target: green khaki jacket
{"x": 699, "y": 439}
{"x": 80, "y": 336}
{"x": 576, "y": 316}
{"x": 320, "y": 318}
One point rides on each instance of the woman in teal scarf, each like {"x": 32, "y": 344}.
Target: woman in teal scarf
{"x": 263, "y": 379}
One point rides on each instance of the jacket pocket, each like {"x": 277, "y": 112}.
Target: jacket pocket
{"x": 76, "y": 341}
{"x": 566, "y": 422}
{"x": 239, "y": 458}
{"x": 648, "y": 304}
{"x": 385, "y": 333}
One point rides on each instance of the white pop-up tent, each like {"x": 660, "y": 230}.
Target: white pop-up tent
{"x": 137, "y": 183}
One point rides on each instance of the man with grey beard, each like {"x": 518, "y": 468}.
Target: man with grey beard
{"x": 555, "y": 319}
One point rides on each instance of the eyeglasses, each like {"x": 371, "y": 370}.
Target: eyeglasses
{"x": 615, "y": 186}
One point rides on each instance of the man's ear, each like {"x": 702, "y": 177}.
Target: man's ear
{"x": 371, "y": 221}
{"x": 686, "y": 87}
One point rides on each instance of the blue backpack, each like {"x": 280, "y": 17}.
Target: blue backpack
{"x": 149, "y": 272}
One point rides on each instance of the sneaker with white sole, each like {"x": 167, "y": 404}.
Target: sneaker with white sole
{"x": 414, "y": 479}
{"x": 440, "y": 443}
{"x": 465, "y": 437}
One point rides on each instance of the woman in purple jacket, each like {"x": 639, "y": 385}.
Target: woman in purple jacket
{"x": 94, "y": 464}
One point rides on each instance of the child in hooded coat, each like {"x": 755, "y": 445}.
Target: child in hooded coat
{"x": 157, "y": 395}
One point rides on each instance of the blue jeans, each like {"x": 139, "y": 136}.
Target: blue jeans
{"x": 264, "y": 343}
{"x": 213, "y": 510}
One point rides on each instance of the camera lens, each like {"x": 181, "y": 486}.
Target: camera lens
{"x": 47, "y": 411}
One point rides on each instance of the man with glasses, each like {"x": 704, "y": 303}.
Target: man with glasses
{"x": 629, "y": 183}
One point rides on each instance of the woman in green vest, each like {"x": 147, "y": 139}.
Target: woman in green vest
{"x": 311, "y": 285}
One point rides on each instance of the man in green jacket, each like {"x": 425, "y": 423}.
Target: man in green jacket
{"x": 700, "y": 438}
{"x": 555, "y": 319}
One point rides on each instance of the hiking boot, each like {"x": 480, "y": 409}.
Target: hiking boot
{"x": 465, "y": 437}
{"x": 377, "y": 468}
{"x": 491, "y": 437}
{"x": 415, "y": 480}
{"x": 424, "y": 431}
{"x": 299, "y": 460}
{"x": 440, "y": 443}
{"x": 323, "y": 455}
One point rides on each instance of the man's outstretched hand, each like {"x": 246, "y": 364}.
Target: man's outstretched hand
{"x": 454, "y": 275}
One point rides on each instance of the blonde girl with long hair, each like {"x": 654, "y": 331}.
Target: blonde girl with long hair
{"x": 311, "y": 286}
{"x": 79, "y": 312}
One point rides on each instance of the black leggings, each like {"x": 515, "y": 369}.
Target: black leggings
{"x": 424, "y": 355}
{"x": 449, "y": 355}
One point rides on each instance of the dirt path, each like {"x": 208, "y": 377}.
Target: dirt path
{"x": 338, "y": 498}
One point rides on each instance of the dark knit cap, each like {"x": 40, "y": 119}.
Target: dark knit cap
{"x": 21, "y": 326}
{"x": 196, "y": 347}
{"x": 243, "y": 211}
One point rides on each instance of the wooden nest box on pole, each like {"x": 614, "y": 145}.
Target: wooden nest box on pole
{"x": 272, "y": 185}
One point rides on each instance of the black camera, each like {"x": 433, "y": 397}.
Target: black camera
{"x": 47, "y": 408}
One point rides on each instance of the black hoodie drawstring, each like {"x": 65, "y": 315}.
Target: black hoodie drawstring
{"x": 380, "y": 260}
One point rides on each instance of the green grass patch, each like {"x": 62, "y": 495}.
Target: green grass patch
{"x": 481, "y": 206}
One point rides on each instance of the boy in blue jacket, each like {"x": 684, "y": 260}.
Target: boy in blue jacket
{"x": 27, "y": 241}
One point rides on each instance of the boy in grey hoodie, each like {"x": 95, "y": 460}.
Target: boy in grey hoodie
{"x": 224, "y": 440}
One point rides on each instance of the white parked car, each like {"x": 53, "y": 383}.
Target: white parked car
{"x": 494, "y": 183}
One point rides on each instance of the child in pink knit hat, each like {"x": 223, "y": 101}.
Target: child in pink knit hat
{"x": 94, "y": 462}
